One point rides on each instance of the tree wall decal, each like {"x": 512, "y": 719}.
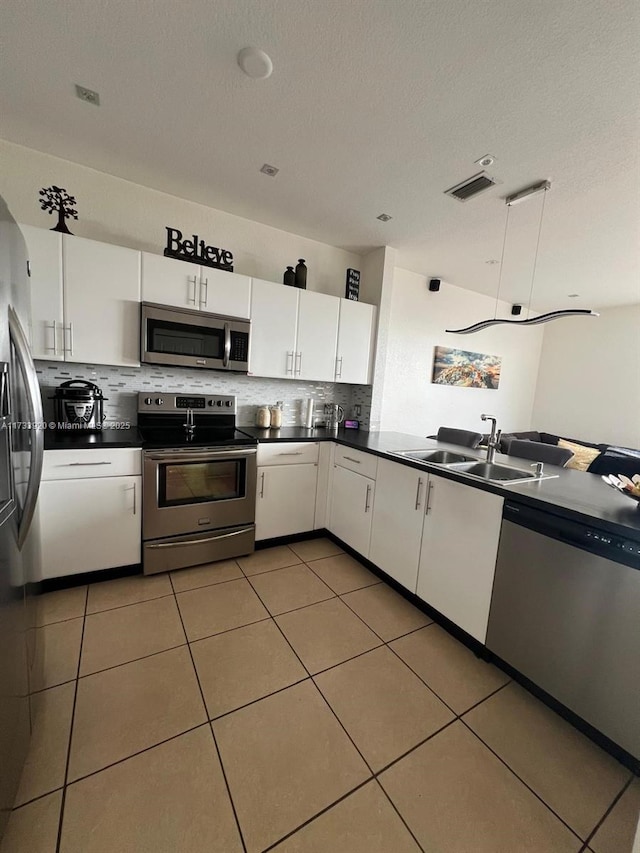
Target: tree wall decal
{"x": 57, "y": 200}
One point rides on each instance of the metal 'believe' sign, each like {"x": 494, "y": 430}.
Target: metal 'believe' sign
{"x": 195, "y": 250}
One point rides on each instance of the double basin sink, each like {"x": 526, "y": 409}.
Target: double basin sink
{"x": 491, "y": 472}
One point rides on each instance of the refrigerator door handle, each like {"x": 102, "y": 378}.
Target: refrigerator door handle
{"x": 34, "y": 402}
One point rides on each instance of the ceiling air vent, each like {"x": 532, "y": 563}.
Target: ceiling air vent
{"x": 471, "y": 186}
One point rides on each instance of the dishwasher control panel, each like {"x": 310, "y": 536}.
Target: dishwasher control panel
{"x": 608, "y": 540}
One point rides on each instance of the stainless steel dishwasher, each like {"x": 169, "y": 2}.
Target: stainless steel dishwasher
{"x": 565, "y": 612}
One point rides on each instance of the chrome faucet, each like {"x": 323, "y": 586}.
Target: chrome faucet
{"x": 494, "y": 438}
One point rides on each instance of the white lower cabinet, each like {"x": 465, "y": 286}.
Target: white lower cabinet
{"x": 89, "y": 524}
{"x": 286, "y": 499}
{"x": 352, "y": 508}
{"x": 398, "y": 518}
{"x": 458, "y": 554}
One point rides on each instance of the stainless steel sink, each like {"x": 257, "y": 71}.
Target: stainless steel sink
{"x": 493, "y": 472}
{"x": 437, "y": 457}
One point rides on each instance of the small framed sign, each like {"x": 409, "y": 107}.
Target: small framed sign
{"x": 352, "y": 290}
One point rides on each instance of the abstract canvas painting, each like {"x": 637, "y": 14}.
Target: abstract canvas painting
{"x": 467, "y": 369}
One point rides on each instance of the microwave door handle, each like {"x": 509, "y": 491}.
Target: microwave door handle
{"x": 227, "y": 345}
{"x": 34, "y": 403}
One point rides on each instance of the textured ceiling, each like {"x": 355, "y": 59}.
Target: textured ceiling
{"x": 374, "y": 106}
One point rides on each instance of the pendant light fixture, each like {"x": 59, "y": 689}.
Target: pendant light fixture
{"x": 516, "y": 198}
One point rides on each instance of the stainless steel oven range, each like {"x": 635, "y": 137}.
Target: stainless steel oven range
{"x": 199, "y": 481}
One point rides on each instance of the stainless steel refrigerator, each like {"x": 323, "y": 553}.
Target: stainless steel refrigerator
{"x": 21, "y": 453}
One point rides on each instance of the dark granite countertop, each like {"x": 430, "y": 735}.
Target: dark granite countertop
{"x": 74, "y": 439}
{"x": 577, "y": 495}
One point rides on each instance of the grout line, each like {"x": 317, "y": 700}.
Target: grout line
{"x": 35, "y": 799}
{"x": 416, "y": 746}
{"x": 274, "y": 569}
{"x": 213, "y": 734}
{"x": 488, "y": 696}
{"x": 520, "y": 779}
{"x": 133, "y": 660}
{"x": 608, "y": 811}
{"x": 259, "y": 699}
{"x": 397, "y": 811}
{"x": 348, "y": 660}
{"x": 71, "y": 727}
{"x": 129, "y": 603}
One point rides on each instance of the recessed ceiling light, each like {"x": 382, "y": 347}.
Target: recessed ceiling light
{"x": 573, "y": 295}
{"x": 88, "y": 95}
{"x": 486, "y": 160}
{"x": 492, "y": 261}
{"x": 384, "y": 217}
{"x": 269, "y": 170}
{"x": 255, "y": 63}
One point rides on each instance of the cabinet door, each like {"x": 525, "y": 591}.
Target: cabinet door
{"x": 170, "y": 282}
{"x": 274, "y": 316}
{"x": 352, "y": 508}
{"x": 355, "y": 342}
{"x": 101, "y": 302}
{"x": 224, "y": 292}
{"x": 86, "y": 525}
{"x": 317, "y": 336}
{"x": 397, "y": 521}
{"x": 286, "y": 500}
{"x": 45, "y": 260}
{"x": 458, "y": 556}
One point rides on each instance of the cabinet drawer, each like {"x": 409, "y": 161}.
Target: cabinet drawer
{"x": 355, "y": 460}
{"x": 81, "y": 464}
{"x": 288, "y": 453}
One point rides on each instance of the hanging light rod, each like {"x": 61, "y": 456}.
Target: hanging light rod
{"x": 526, "y": 193}
{"x": 532, "y": 321}
{"x": 516, "y": 198}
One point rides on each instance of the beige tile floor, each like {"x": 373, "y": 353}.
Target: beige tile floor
{"x": 290, "y": 701}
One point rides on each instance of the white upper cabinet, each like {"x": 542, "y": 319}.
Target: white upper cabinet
{"x": 101, "y": 302}
{"x": 224, "y": 292}
{"x": 356, "y": 331}
{"x": 45, "y": 260}
{"x": 398, "y": 517}
{"x": 168, "y": 281}
{"x": 459, "y": 550}
{"x": 317, "y": 336}
{"x": 274, "y": 317}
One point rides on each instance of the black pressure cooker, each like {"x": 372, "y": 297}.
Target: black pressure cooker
{"x": 79, "y": 403}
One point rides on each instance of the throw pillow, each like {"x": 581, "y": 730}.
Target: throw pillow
{"x": 582, "y": 456}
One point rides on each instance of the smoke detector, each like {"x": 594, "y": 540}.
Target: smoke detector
{"x": 472, "y": 186}
{"x": 255, "y": 63}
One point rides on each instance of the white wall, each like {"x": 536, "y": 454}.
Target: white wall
{"x": 589, "y": 380}
{"x": 117, "y": 211}
{"x": 412, "y": 404}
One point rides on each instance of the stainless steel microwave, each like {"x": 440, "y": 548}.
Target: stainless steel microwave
{"x": 189, "y": 338}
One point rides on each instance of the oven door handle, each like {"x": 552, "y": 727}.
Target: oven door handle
{"x": 172, "y": 456}
{"x": 227, "y": 346}
{"x": 200, "y": 541}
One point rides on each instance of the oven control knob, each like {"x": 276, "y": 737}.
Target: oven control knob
{"x": 148, "y": 401}
{"x": 159, "y": 401}
{"x": 229, "y": 403}
{"x": 218, "y": 402}
{"x": 212, "y": 402}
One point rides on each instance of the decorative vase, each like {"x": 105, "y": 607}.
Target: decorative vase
{"x": 289, "y": 277}
{"x": 301, "y": 274}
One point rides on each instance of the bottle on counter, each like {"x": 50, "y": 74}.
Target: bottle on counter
{"x": 289, "y": 277}
{"x": 307, "y": 413}
{"x": 263, "y": 417}
{"x": 301, "y": 274}
{"x": 276, "y": 416}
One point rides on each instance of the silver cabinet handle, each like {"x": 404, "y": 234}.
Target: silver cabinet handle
{"x": 83, "y": 464}
{"x": 70, "y": 330}
{"x": 135, "y": 507}
{"x": 338, "y": 372}
{"x": 298, "y": 363}
{"x": 289, "y": 369}
{"x": 204, "y": 284}
{"x": 418, "y": 490}
{"x": 429, "y": 490}
{"x": 262, "y": 485}
{"x": 227, "y": 346}
{"x": 351, "y": 459}
{"x": 54, "y": 326}
{"x": 200, "y": 541}
{"x": 366, "y": 500}
{"x": 296, "y": 453}
{"x": 192, "y": 280}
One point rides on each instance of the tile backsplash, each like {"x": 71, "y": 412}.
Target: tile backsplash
{"x": 120, "y": 386}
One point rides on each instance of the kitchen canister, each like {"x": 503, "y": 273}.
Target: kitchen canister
{"x": 276, "y": 416}
{"x": 263, "y": 417}
{"x": 301, "y": 274}
{"x": 307, "y": 409}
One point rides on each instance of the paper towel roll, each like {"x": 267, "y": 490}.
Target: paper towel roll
{"x": 308, "y": 415}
